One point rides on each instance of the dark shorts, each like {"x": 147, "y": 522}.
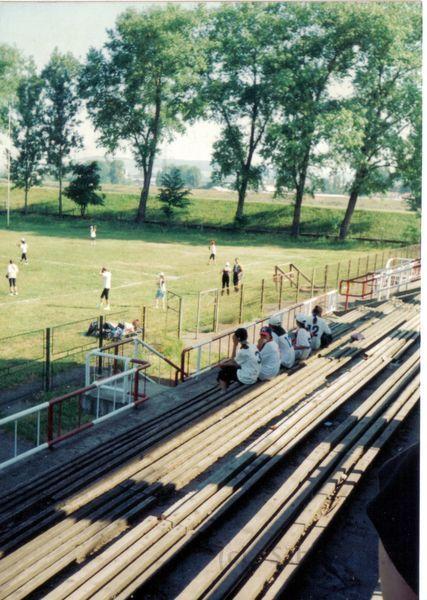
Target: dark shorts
{"x": 228, "y": 373}
{"x": 12, "y": 282}
{"x": 24, "y": 256}
{"x": 105, "y": 293}
{"x": 212, "y": 256}
{"x": 235, "y": 279}
{"x": 225, "y": 280}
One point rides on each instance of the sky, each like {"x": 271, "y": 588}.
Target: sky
{"x": 36, "y": 28}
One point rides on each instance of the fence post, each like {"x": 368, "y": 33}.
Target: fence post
{"x": 216, "y": 310}
{"x": 313, "y": 270}
{"x": 262, "y": 296}
{"x": 358, "y": 267}
{"x": 280, "y": 291}
{"x": 349, "y": 268}
{"x": 241, "y": 305}
{"x": 144, "y": 322}
{"x": 180, "y": 317}
{"x": 367, "y": 264}
{"x": 100, "y": 342}
{"x": 325, "y": 283}
{"x": 375, "y": 262}
{"x": 297, "y": 290}
{"x": 338, "y": 274}
{"x": 198, "y": 314}
{"x": 48, "y": 360}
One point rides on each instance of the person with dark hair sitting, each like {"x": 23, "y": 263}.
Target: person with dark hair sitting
{"x": 317, "y": 327}
{"x": 243, "y": 365}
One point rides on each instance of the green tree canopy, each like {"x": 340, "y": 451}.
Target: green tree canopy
{"x": 12, "y": 69}
{"x": 137, "y": 87}
{"x": 173, "y": 194}
{"x": 84, "y": 186}
{"x": 28, "y": 166}
{"x": 62, "y": 105}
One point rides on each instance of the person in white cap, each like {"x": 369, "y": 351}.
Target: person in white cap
{"x": 317, "y": 327}
{"x": 161, "y": 291}
{"x": 302, "y": 344}
{"x": 282, "y": 339}
{"x": 226, "y": 278}
{"x": 24, "y": 249}
{"x": 105, "y": 295}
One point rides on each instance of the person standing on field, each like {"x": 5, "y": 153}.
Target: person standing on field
{"x": 12, "y": 274}
{"x": 161, "y": 291}
{"x": 92, "y": 233}
{"x": 212, "y": 252}
{"x": 105, "y": 295}
{"x": 226, "y": 278}
{"x": 24, "y": 249}
{"x": 237, "y": 274}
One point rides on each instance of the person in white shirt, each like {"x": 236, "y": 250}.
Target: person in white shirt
{"x": 24, "y": 249}
{"x": 12, "y": 274}
{"x": 106, "y": 280}
{"x": 92, "y": 233}
{"x": 317, "y": 327}
{"x": 270, "y": 355}
{"x": 302, "y": 341}
{"x": 282, "y": 339}
{"x": 161, "y": 291}
{"x": 243, "y": 366}
{"x": 212, "y": 252}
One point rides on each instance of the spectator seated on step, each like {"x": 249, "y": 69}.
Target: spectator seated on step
{"x": 270, "y": 355}
{"x": 243, "y": 365}
{"x": 282, "y": 339}
{"x": 302, "y": 343}
{"x": 319, "y": 329}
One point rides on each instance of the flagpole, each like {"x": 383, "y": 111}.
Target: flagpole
{"x": 8, "y": 170}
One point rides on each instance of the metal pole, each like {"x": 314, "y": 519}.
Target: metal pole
{"x": 216, "y": 311}
{"x": 241, "y": 304}
{"x": 144, "y": 321}
{"x": 262, "y": 295}
{"x": 198, "y": 315}
{"x": 100, "y": 341}
{"x": 47, "y": 375}
{"x": 338, "y": 274}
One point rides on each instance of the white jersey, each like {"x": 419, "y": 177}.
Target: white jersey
{"x": 12, "y": 271}
{"x": 212, "y": 249}
{"x": 317, "y": 329}
{"x": 302, "y": 340}
{"x": 270, "y": 361}
{"x": 24, "y": 247}
{"x": 106, "y": 279}
{"x": 92, "y": 233}
{"x": 249, "y": 361}
{"x": 287, "y": 352}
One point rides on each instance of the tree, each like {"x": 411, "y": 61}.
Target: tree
{"x": 84, "y": 185}
{"x": 409, "y": 158}
{"x": 191, "y": 176}
{"x": 62, "y": 105}
{"x": 12, "y": 69}
{"x": 387, "y": 91}
{"x": 236, "y": 88}
{"x": 326, "y": 38}
{"x": 138, "y": 86}
{"x": 173, "y": 193}
{"x": 28, "y": 166}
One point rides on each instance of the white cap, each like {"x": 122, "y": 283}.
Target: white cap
{"x": 161, "y": 274}
{"x": 300, "y": 318}
{"x": 23, "y": 240}
{"x": 275, "y": 320}
{"x": 227, "y": 264}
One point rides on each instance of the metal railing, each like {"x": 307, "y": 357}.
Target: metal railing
{"x": 381, "y": 284}
{"x": 200, "y": 357}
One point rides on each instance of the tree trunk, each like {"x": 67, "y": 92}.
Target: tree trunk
{"x": 60, "y": 195}
{"x": 354, "y": 194}
{"x": 241, "y": 198}
{"x": 25, "y": 200}
{"x": 140, "y": 215}
{"x": 297, "y": 209}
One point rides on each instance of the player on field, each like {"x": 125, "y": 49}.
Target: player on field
{"x": 92, "y": 234}
{"x": 24, "y": 249}
{"x": 212, "y": 252}
{"x": 12, "y": 274}
{"x": 270, "y": 355}
{"x": 243, "y": 365}
{"x": 302, "y": 343}
{"x": 237, "y": 274}
{"x": 225, "y": 280}
{"x": 106, "y": 281}
{"x": 317, "y": 327}
{"x": 282, "y": 339}
{"x": 161, "y": 290}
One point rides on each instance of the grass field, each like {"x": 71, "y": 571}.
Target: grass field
{"x": 385, "y": 219}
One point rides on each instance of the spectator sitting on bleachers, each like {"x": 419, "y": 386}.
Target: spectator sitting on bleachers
{"x": 270, "y": 355}
{"x": 302, "y": 341}
{"x": 282, "y": 339}
{"x": 317, "y": 327}
{"x": 243, "y": 365}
